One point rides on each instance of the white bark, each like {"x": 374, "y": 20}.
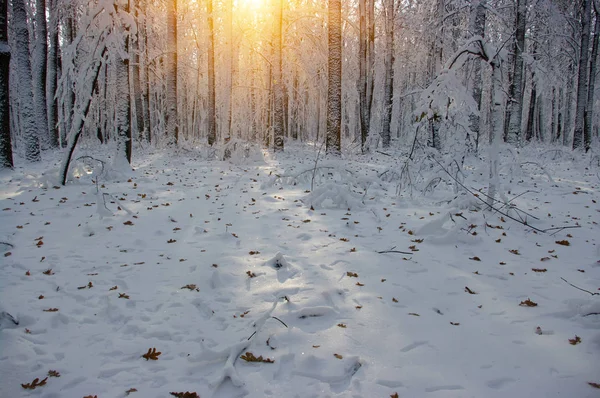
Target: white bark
{"x": 334, "y": 87}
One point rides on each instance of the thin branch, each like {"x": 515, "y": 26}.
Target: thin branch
{"x": 282, "y": 322}
{"x": 394, "y": 251}
{"x": 7, "y": 244}
{"x": 578, "y": 288}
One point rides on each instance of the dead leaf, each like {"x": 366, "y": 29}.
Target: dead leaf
{"x": 190, "y": 286}
{"x": 595, "y": 385}
{"x": 539, "y": 269}
{"x": 342, "y": 325}
{"x": 394, "y": 395}
{"x": 251, "y": 274}
{"x": 563, "y": 242}
{"x": 252, "y": 253}
{"x": 152, "y": 354}
{"x": 186, "y": 394}
{"x": 51, "y": 310}
{"x": 359, "y": 284}
{"x": 454, "y": 323}
{"x": 128, "y": 223}
{"x": 528, "y": 303}
{"x": 48, "y": 272}
{"x": 352, "y": 274}
{"x": 575, "y": 340}
{"x": 475, "y": 258}
{"x": 35, "y": 383}
{"x": 394, "y": 300}
{"x": 249, "y": 357}
{"x": 171, "y": 241}
{"x": 515, "y": 251}
{"x": 413, "y": 314}
{"x": 469, "y": 290}
{"x": 338, "y": 356}
{"x": 124, "y": 296}
{"x": 53, "y": 373}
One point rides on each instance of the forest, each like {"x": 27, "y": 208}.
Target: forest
{"x": 299, "y": 198}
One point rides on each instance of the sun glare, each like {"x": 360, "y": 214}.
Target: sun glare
{"x": 252, "y": 4}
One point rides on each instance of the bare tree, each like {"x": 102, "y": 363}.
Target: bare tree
{"x": 123, "y": 108}
{"x": 6, "y": 158}
{"x": 212, "y": 124}
{"x": 334, "y": 86}
{"x": 171, "y": 73}
{"x": 52, "y": 77}
{"x": 23, "y": 68}
{"x": 583, "y": 83}
{"x": 514, "y": 109}
{"x": 278, "y": 111}
{"x": 39, "y": 73}
{"x": 388, "y": 87}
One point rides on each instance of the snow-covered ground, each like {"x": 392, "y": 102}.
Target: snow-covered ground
{"x": 206, "y": 261}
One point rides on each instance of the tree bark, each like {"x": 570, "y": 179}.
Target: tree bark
{"x": 212, "y": 123}
{"x": 388, "y": 89}
{"x": 589, "y": 114}
{"x": 278, "y": 95}
{"x": 334, "y": 86}
{"x": 478, "y": 17}
{"x": 171, "y": 73}
{"x": 52, "y": 81}
{"x": 136, "y": 73}
{"x": 123, "y": 106}
{"x": 582, "y": 83}
{"x": 6, "y": 157}
{"x": 514, "y": 109}
{"x": 23, "y": 68}
{"x": 39, "y": 74}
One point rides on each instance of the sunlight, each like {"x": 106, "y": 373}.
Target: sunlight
{"x": 254, "y": 5}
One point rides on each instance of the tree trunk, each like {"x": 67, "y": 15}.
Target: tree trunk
{"x": 589, "y": 114}
{"x": 388, "y": 87}
{"x": 278, "y": 96}
{"x": 514, "y": 109}
{"x": 53, "y": 69}
{"x": 171, "y": 73}
{"x": 23, "y": 68}
{"x": 334, "y": 86}
{"x": 531, "y": 114}
{"x": 496, "y": 130}
{"x": 6, "y": 157}
{"x": 123, "y": 105}
{"x": 582, "y": 83}
{"x": 146, "y": 93}
{"x": 363, "y": 49}
{"x": 212, "y": 123}
{"x": 40, "y": 62}
{"x": 478, "y": 17}
{"x": 136, "y": 72}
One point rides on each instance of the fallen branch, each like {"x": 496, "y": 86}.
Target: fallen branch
{"x": 394, "y": 251}
{"x": 7, "y": 244}
{"x": 578, "y": 288}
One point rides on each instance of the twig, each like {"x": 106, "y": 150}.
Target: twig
{"x": 383, "y": 153}
{"x": 576, "y": 287}
{"x": 592, "y": 313}
{"x": 282, "y": 322}
{"x": 312, "y": 180}
{"x": 7, "y": 244}
{"x": 394, "y": 251}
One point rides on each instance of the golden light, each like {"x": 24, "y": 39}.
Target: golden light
{"x": 253, "y": 5}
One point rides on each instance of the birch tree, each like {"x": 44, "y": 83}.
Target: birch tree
{"x": 22, "y": 66}
{"x": 123, "y": 108}
{"x": 334, "y": 85}
{"x": 6, "y": 158}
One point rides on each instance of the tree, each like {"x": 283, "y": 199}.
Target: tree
{"x": 514, "y": 109}
{"x": 136, "y": 74}
{"x": 365, "y": 81}
{"x": 6, "y": 158}
{"x": 582, "y": 75}
{"x": 388, "y": 87}
{"x": 278, "y": 111}
{"x": 334, "y": 84}
{"x": 40, "y": 64}
{"x": 212, "y": 112}
{"x": 589, "y": 114}
{"x": 52, "y": 77}
{"x": 477, "y": 22}
{"x": 23, "y": 68}
{"x": 123, "y": 108}
{"x": 171, "y": 73}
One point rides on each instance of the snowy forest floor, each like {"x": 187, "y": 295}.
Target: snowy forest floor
{"x": 208, "y": 260}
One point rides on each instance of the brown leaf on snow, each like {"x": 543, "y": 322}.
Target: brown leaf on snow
{"x": 545, "y": 259}
{"x": 528, "y": 303}
{"x": 249, "y": 357}
{"x": 53, "y": 373}
{"x": 35, "y": 383}
{"x": 342, "y": 325}
{"x": 515, "y": 251}
{"x": 51, "y": 310}
{"x": 190, "y": 286}
{"x": 475, "y": 258}
{"x": 394, "y": 395}
{"x": 413, "y": 314}
{"x": 338, "y": 356}
{"x": 252, "y": 253}
{"x": 539, "y": 269}
{"x": 113, "y": 288}
{"x": 394, "y": 299}
{"x": 469, "y": 290}
{"x": 152, "y": 354}
{"x": 124, "y": 296}
{"x": 352, "y": 274}
{"x": 575, "y": 340}
{"x": 359, "y": 284}
{"x": 130, "y": 391}
{"x": 595, "y": 385}
{"x": 48, "y": 272}
{"x": 251, "y": 274}
{"x": 186, "y": 394}
{"x": 171, "y": 241}
{"x": 128, "y": 223}
{"x": 563, "y": 242}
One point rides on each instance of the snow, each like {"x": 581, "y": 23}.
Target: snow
{"x": 304, "y": 287}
